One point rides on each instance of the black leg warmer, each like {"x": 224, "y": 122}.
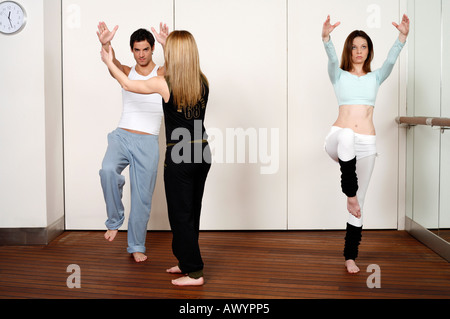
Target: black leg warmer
{"x": 352, "y": 240}
{"x": 349, "y": 180}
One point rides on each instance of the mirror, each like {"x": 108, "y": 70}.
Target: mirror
{"x": 428, "y": 94}
{"x": 444, "y": 210}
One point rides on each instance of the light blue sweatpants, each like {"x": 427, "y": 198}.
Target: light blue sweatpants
{"x": 141, "y": 153}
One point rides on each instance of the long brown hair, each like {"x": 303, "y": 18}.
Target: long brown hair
{"x": 183, "y": 73}
{"x": 346, "y": 60}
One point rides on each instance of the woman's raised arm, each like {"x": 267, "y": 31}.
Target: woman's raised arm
{"x": 328, "y": 28}
{"x": 153, "y": 85}
{"x": 403, "y": 28}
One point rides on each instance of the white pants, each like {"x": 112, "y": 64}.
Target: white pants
{"x": 344, "y": 144}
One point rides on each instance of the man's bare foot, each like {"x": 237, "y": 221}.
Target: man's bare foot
{"x": 139, "y": 257}
{"x": 174, "y": 270}
{"x": 188, "y": 281}
{"x": 351, "y": 266}
{"x": 110, "y": 234}
{"x": 353, "y": 206}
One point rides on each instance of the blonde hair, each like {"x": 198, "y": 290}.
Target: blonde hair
{"x": 183, "y": 73}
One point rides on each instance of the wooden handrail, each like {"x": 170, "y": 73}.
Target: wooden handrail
{"x": 423, "y": 120}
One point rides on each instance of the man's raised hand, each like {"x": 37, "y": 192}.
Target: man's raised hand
{"x": 104, "y": 35}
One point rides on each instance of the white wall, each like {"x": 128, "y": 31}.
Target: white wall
{"x": 444, "y": 216}
{"x": 267, "y": 71}
{"x": 444, "y": 204}
{"x": 30, "y": 120}
{"x": 243, "y": 52}
{"x": 249, "y": 95}
{"x": 53, "y": 111}
{"x": 428, "y": 167}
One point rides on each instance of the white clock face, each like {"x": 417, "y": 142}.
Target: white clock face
{"x": 12, "y": 17}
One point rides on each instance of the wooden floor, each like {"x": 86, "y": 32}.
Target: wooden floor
{"x": 238, "y": 265}
{"x": 443, "y": 233}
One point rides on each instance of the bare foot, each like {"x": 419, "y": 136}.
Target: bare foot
{"x": 139, "y": 257}
{"x": 110, "y": 234}
{"x": 188, "y": 281}
{"x": 174, "y": 270}
{"x": 353, "y": 206}
{"x": 351, "y": 266}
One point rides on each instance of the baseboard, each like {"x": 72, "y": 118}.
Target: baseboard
{"x": 31, "y": 236}
{"x": 429, "y": 239}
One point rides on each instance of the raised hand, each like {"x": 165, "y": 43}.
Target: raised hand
{"x": 107, "y": 55}
{"x": 403, "y": 27}
{"x": 328, "y": 28}
{"x": 162, "y": 35}
{"x": 104, "y": 35}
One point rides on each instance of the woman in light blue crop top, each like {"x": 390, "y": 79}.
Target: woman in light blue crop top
{"x": 352, "y": 141}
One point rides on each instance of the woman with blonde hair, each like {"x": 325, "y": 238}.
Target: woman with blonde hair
{"x": 184, "y": 90}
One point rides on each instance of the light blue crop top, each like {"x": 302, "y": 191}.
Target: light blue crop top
{"x": 353, "y": 90}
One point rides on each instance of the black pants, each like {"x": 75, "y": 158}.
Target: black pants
{"x": 184, "y": 185}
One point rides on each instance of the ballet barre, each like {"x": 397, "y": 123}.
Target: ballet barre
{"x": 443, "y": 122}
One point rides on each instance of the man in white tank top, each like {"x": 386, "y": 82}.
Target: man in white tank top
{"x": 134, "y": 143}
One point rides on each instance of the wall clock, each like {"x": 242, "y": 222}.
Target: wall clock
{"x": 12, "y": 17}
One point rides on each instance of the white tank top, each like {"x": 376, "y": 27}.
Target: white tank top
{"x": 141, "y": 112}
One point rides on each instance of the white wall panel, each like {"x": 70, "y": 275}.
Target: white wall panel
{"x": 242, "y": 48}
{"x": 444, "y": 209}
{"x": 30, "y": 120}
{"x": 444, "y": 204}
{"x": 268, "y": 89}
{"x": 426, "y": 101}
{"x": 445, "y": 92}
{"x": 426, "y": 176}
{"x": 427, "y": 63}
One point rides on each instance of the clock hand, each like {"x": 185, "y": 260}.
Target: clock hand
{"x": 9, "y": 18}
